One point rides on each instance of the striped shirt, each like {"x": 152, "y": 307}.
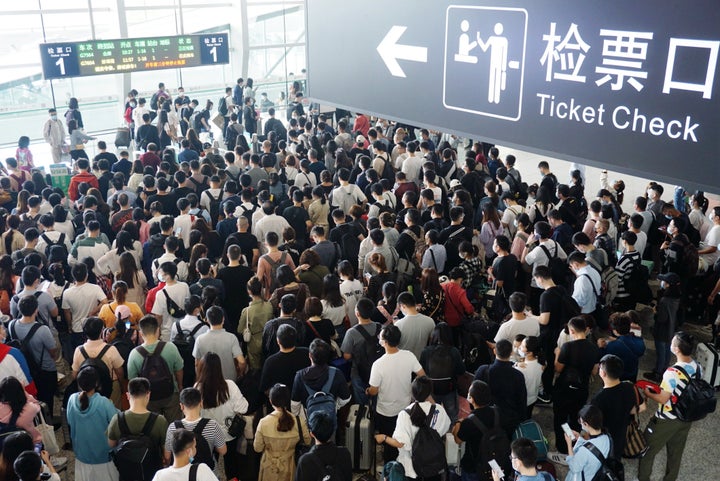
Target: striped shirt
{"x": 212, "y": 433}
{"x": 624, "y": 270}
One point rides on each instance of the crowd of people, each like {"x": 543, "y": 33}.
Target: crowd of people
{"x": 237, "y": 304}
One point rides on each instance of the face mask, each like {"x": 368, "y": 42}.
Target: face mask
{"x": 671, "y": 230}
{"x": 662, "y": 284}
{"x": 132, "y": 104}
{"x": 668, "y": 217}
{"x": 191, "y": 459}
{"x": 520, "y": 352}
{"x": 515, "y": 223}
{"x": 53, "y": 117}
{"x": 651, "y": 193}
{"x": 161, "y": 276}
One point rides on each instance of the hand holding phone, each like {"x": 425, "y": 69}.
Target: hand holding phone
{"x": 496, "y": 468}
{"x": 566, "y": 429}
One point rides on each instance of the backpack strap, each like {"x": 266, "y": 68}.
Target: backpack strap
{"x": 178, "y": 425}
{"x": 178, "y": 329}
{"x": 103, "y": 351}
{"x": 595, "y": 291}
{"x": 312, "y": 328}
{"x": 123, "y": 425}
{"x": 196, "y": 328}
{"x": 193, "y": 472}
{"x": 30, "y": 334}
{"x": 84, "y": 352}
{"x": 147, "y": 428}
{"x": 200, "y": 426}
{"x": 363, "y": 332}
{"x": 595, "y": 452}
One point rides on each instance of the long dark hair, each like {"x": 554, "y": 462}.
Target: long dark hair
{"x": 6, "y": 272}
{"x": 13, "y": 394}
{"x": 331, "y": 290}
{"x": 123, "y": 242}
{"x": 87, "y": 381}
{"x": 280, "y": 398}
{"x": 128, "y": 269}
{"x": 421, "y": 390}
{"x": 13, "y": 222}
{"x": 211, "y": 382}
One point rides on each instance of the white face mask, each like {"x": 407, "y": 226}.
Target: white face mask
{"x": 161, "y": 276}
{"x": 651, "y": 193}
{"x": 520, "y": 352}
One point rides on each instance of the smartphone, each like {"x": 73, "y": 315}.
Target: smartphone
{"x": 496, "y": 467}
{"x": 127, "y": 324}
{"x": 568, "y": 431}
{"x": 637, "y": 332}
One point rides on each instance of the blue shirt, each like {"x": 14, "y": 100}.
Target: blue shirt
{"x": 585, "y": 462}
{"x": 187, "y": 155}
{"x": 88, "y": 427}
{"x": 587, "y": 286}
{"x": 629, "y": 348}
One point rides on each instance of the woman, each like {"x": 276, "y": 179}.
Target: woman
{"x": 318, "y": 326}
{"x": 291, "y": 168}
{"x": 109, "y": 263}
{"x": 88, "y": 416}
{"x": 471, "y": 264}
{"x": 210, "y": 238}
{"x": 62, "y": 223}
{"x": 221, "y": 401}
{"x": 102, "y": 206}
{"x": 22, "y": 203}
{"x": 254, "y": 317}
{"x": 289, "y": 285}
{"x": 334, "y": 305}
{"x": 194, "y": 140}
{"x": 375, "y": 283}
{"x": 531, "y": 369}
{"x": 13, "y": 446}
{"x": 78, "y": 139}
{"x": 164, "y": 129}
{"x": 18, "y": 408}
{"x": 524, "y": 230}
{"x": 319, "y": 210}
{"x": 698, "y": 219}
{"x": 131, "y": 227}
{"x": 73, "y": 113}
{"x": 108, "y": 313}
{"x": 277, "y": 435}
{"x": 422, "y": 410}
{"x": 538, "y": 210}
{"x": 387, "y": 225}
{"x": 582, "y": 463}
{"x": 312, "y": 272}
{"x": 133, "y": 277}
{"x": 491, "y": 228}
{"x": 198, "y": 252}
{"x": 249, "y": 91}
{"x": 7, "y": 283}
{"x": 387, "y": 309}
{"x": 12, "y": 239}
{"x": 136, "y": 177}
{"x": 433, "y": 301}
{"x": 577, "y": 189}
{"x": 141, "y": 225}
{"x": 434, "y": 359}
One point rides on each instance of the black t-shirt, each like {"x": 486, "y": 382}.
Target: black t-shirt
{"x": 324, "y": 328}
{"x": 297, "y": 218}
{"x": 505, "y": 269}
{"x": 282, "y": 366}
{"x": 234, "y": 279}
{"x": 551, "y": 301}
{"x": 472, "y": 436}
{"x": 579, "y": 358}
{"x": 310, "y": 464}
{"x": 339, "y": 231}
{"x": 245, "y": 241}
{"x": 616, "y": 403}
{"x": 109, "y": 156}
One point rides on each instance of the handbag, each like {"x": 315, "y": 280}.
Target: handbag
{"x": 635, "y": 443}
{"x": 300, "y": 448}
{"x": 47, "y": 432}
{"x": 247, "y": 334}
{"x": 236, "y": 428}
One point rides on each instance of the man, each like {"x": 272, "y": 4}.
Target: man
{"x": 223, "y": 343}
{"x": 457, "y": 301}
{"x": 238, "y": 91}
{"x": 50, "y": 236}
{"x": 347, "y": 194}
{"x": 576, "y": 361}
{"x": 104, "y": 154}
{"x": 83, "y": 175}
{"x": 507, "y": 385}
{"x": 534, "y": 255}
{"x": 205, "y": 271}
{"x": 665, "y": 429}
{"x": 414, "y": 327}
{"x": 314, "y": 464}
{"x": 228, "y": 225}
{"x": 282, "y": 366}
{"x": 184, "y": 448}
{"x": 271, "y": 222}
{"x": 298, "y": 218}
{"x": 435, "y": 255}
{"x": 136, "y": 419}
{"x": 316, "y": 165}
{"x": 569, "y": 207}
{"x": 54, "y": 134}
{"x": 616, "y": 400}
{"x": 597, "y": 258}
{"x": 79, "y": 302}
{"x": 147, "y": 134}
{"x": 250, "y": 117}
{"x": 125, "y": 213}
{"x": 390, "y": 381}
{"x": 549, "y": 181}
{"x": 288, "y": 306}
{"x": 562, "y": 231}
{"x": 524, "y": 460}
{"x": 206, "y": 430}
{"x": 274, "y": 125}
{"x": 354, "y": 348}
{"x": 521, "y": 321}
{"x": 635, "y": 223}
{"x": 171, "y": 246}
{"x": 31, "y": 280}
{"x": 174, "y": 292}
{"x": 40, "y": 345}
{"x": 586, "y": 288}
{"x": 169, "y": 374}
{"x": 314, "y": 377}
{"x": 96, "y": 348}
{"x": 629, "y": 260}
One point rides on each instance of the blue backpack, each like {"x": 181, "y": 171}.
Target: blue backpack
{"x": 322, "y": 400}
{"x": 393, "y": 471}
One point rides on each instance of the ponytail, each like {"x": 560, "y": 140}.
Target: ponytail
{"x": 417, "y": 415}
{"x": 84, "y": 401}
{"x": 8, "y": 240}
{"x": 286, "y": 421}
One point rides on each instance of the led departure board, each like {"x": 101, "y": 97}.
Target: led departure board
{"x": 101, "y": 57}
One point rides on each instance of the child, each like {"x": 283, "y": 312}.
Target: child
{"x": 23, "y": 155}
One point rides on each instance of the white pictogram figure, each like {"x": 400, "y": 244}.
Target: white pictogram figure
{"x": 570, "y": 53}
{"x": 622, "y": 58}
{"x": 498, "y": 62}
{"x": 704, "y": 87}
{"x": 465, "y": 46}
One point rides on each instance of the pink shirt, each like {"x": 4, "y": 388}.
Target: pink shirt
{"x": 25, "y": 420}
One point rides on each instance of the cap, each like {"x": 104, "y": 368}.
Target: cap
{"x": 360, "y": 139}
{"x": 454, "y": 183}
{"x": 122, "y": 311}
{"x": 669, "y": 277}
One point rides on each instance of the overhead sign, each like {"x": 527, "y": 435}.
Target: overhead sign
{"x": 632, "y": 86}
{"x": 99, "y": 57}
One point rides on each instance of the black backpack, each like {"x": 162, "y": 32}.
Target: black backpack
{"x": 185, "y": 342}
{"x": 214, "y": 206}
{"x": 27, "y": 222}
{"x": 136, "y": 456}
{"x": 638, "y": 283}
{"x": 103, "y": 373}
{"x": 124, "y": 346}
{"x": 383, "y": 207}
{"x": 441, "y": 369}
{"x": 248, "y": 214}
{"x": 559, "y": 269}
{"x": 204, "y": 452}
{"x": 24, "y": 346}
{"x": 494, "y": 444}
{"x": 155, "y": 369}
{"x": 222, "y": 106}
{"x": 173, "y": 309}
{"x": 696, "y": 400}
{"x": 200, "y": 187}
{"x": 428, "y": 449}
{"x": 154, "y": 101}
{"x": 60, "y": 243}
{"x": 452, "y": 248}
{"x": 365, "y": 355}
{"x": 349, "y": 247}
{"x": 327, "y": 471}
{"x": 610, "y": 469}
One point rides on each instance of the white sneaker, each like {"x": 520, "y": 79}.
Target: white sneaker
{"x": 557, "y": 458}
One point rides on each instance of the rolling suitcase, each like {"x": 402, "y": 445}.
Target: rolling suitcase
{"x": 122, "y": 137}
{"x": 359, "y": 438}
{"x": 708, "y": 360}
{"x": 532, "y": 430}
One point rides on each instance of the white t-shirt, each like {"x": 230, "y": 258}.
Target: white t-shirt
{"x": 352, "y": 291}
{"x": 537, "y": 257}
{"x": 712, "y": 239}
{"x": 392, "y": 375}
{"x": 204, "y": 473}
{"x": 81, "y": 300}
{"x": 532, "y": 371}
{"x": 405, "y": 432}
{"x": 178, "y": 293}
{"x": 530, "y": 326}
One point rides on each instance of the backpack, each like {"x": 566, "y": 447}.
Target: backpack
{"x": 452, "y": 248}
{"x": 638, "y": 283}
{"x": 383, "y": 207}
{"x": 428, "y": 449}
{"x": 39, "y": 318}
{"x": 34, "y": 366}
{"x": 559, "y": 269}
{"x": 60, "y": 243}
{"x": 222, "y": 106}
{"x": 519, "y": 189}
{"x": 185, "y": 342}
{"x": 273, "y": 269}
{"x": 27, "y": 222}
{"x": 690, "y": 259}
{"x": 214, "y": 206}
{"x": 695, "y": 400}
{"x": 609, "y": 283}
{"x": 441, "y": 369}
{"x": 609, "y": 470}
{"x": 349, "y": 247}
{"x": 420, "y": 245}
{"x": 204, "y": 452}
{"x": 136, "y": 456}
{"x": 494, "y": 444}
{"x": 9, "y": 428}
{"x": 200, "y": 187}
{"x": 365, "y": 355}
{"x": 393, "y": 471}
{"x": 388, "y": 170}
{"x": 173, "y": 309}
{"x": 102, "y": 370}
{"x": 155, "y": 369}
{"x": 124, "y": 346}
{"x": 327, "y": 471}
{"x": 248, "y": 214}
{"x": 322, "y": 400}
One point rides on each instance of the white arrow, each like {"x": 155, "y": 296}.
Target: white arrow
{"x": 390, "y": 51}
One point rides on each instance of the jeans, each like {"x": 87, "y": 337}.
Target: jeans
{"x": 662, "y": 349}
{"x": 664, "y": 433}
{"x": 359, "y": 386}
{"x": 450, "y": 403}
{"x": 76, "y": 339}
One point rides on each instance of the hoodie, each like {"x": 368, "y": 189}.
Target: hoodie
{"x": 88, "y": 427}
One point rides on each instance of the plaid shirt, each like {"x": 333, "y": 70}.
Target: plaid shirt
{"x": 473, "y": 270}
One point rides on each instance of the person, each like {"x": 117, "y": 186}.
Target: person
{"x": 253, "y": 319}
{"x": 575, "y": 362}
{"x": 276, "y": 436}
{"x": 665, "y": 429}
{"x": 210, "y": 431}
{"x": 280, "y": 368}
{"x": 390, "y": 382}
{"x": 504, "y": 268}
{"x": 319, "y": 327}
{"x": 582, "y": 461}
{"x": 423, "y": 410}
{"x": 531, "y": 370}
{"x": 666, "y": 321}
{"x": 524, "y": 460}
{"x": 535, "y": 257}
{"x": 109, "y": 312}
{"x": 586, "y": 289}
{"x": 314, "y": 377}
{"x": 324, "y": 454}
{"x": 225, "y": 344}
{"x": 443, "y": 364}
{"x": 184, "y": 448}
{"x": 20, "y": 444}
{"x": 414, "y": 327}
{"x": 221, "y": 400}
{"x": 616, "y": 400}
{"x": 174, "y": 290}
{"x": 521, "y": 321}
{"x": 288, "y": 284}
{"x": 162, "y": 402}
{"x": 54, "y": 134}
{"x": 626, "y": 345}
{"x": 88, "y": 416}
{"x": 18, "y": 408}
{"x": 457, "y": 305}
